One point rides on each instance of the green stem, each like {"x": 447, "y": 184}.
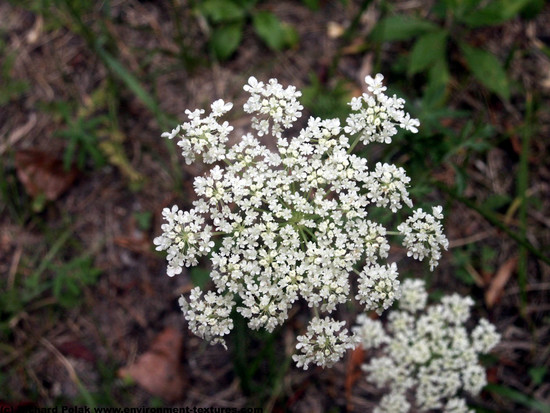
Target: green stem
{"x": 354, "y": 144}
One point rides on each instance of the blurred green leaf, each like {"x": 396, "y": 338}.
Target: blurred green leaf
{"x": 532, "y": 9}
{"x": 401, "y": 28}
{"x": 131, "y": 82}
{"x": 537, "y": 374}
{"x": 518, "y": 397}
{"x": 495, "y": 12}
{"x": 428, "y": 49}
{"x": 272, "y": 31}
{"x": 435, "y": 91}
{"x": 497, "y": 201}
{"x": 311, "y": 4}
{"x": 200, "y": 277}
{"x": 144, "y": 220}
{"x": 226, "y": 39}
{"x": 71, "y": 278}
{"x": 221, "y": 10}
{"x": 487, "y": 70}
{"x": 325, "y": 101}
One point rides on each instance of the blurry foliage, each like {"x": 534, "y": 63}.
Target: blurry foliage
{"x": 227, "y": 20}
{"x": 450, "y": 29}
{"x": 10, "y": 88}
{"x": 46, "y": 278}
{"x": 71, "y": 278}
{"x": 326, "y": 101}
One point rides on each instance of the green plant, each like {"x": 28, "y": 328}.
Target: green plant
{"x": 81, "y": 135}
{"x": 227, "y": 19}
{"x": 326, "y": 101}
{"x": 444, "y": 44}
{"x": 10, "y": 88}
{"x": 47, "y": 279}
{"x": 71, "y": 278}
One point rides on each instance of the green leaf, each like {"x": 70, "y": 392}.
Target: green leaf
{"x": 131, "y": 82}
{"x": 272, "y": 31}
{"x": 518, "y": 397}
{"x": 532, "y": 9}
{"x": 401, "y": 28}
{"x": 221, "y": 10}
{"x": 435, "y": 91}
{"x": 497, "y": 201}
{"x": 428, "y": 49}
{"x": 226, "y": 39}
{"x": 143, "y": 220}
{"x": 311, "y": 4}
{"x": 487, "y": 70}
{"x": 496, "y": 12}
{"x": 200, "y": 277}
{"x": 537, "y": 374}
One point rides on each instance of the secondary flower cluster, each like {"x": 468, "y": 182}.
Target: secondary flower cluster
{"x": 426, "y": 353}
{"x": 293, "y": 223}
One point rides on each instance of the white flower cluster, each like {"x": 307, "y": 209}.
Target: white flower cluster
{"x": 292, "y": 223}
{"x": 275, "y": 103}
{"x": 203, "y": 136}
{"x": 427, "y": 357}
{"x": 208, "y": 317}
{"x": 424, "y": 235}
{"x": 324, "y": 343}
{"x": 377, "y": 116}
{"x": 185, "y": 237}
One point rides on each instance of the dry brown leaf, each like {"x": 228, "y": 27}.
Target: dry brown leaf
{"x": 159, "y": 370}
{"x": 42, "y": 174}
{"x": 353, "y": 372}
{"x": 76, "y": 349}
{"x": 494, "y": 292}
{"x": 141, "y": 245}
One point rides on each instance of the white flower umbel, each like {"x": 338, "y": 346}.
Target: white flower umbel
{"x": 208, "y": 316}
{"x": 185, "y": 237}
{"x": 378, "y": 287}
{"x": 293, "y": 223}
{"x": 324, "y": 343}
{"x": 428, "y": 358}
{"x": 424, "y": 235}
{"x": 274, "y": 103}
{"x": 377, "y": 116}
{"x": 205, "y": 136}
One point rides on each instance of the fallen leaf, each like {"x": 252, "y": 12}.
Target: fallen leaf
{"x": 159, "y": 370}
{"x": 494, "y": 292}
{"x": 353, "y": 372}
{"x": 77, "y": 350}
{"x": 141, "y": 245}
{"x": 43, "y": 174}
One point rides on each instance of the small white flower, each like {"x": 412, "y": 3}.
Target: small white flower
{"x": 387, "y": 186}
{"x": 424, "y": 235}
{"x": 170, "y": 135}
{"x": 413, "y": 295}
{"x": 208, "y": 316}
{"x": 378, "y": 287}
{"x": 324, "y": 343}
{"x": 375, "y": 85}
{"x": 219, "y": 107}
